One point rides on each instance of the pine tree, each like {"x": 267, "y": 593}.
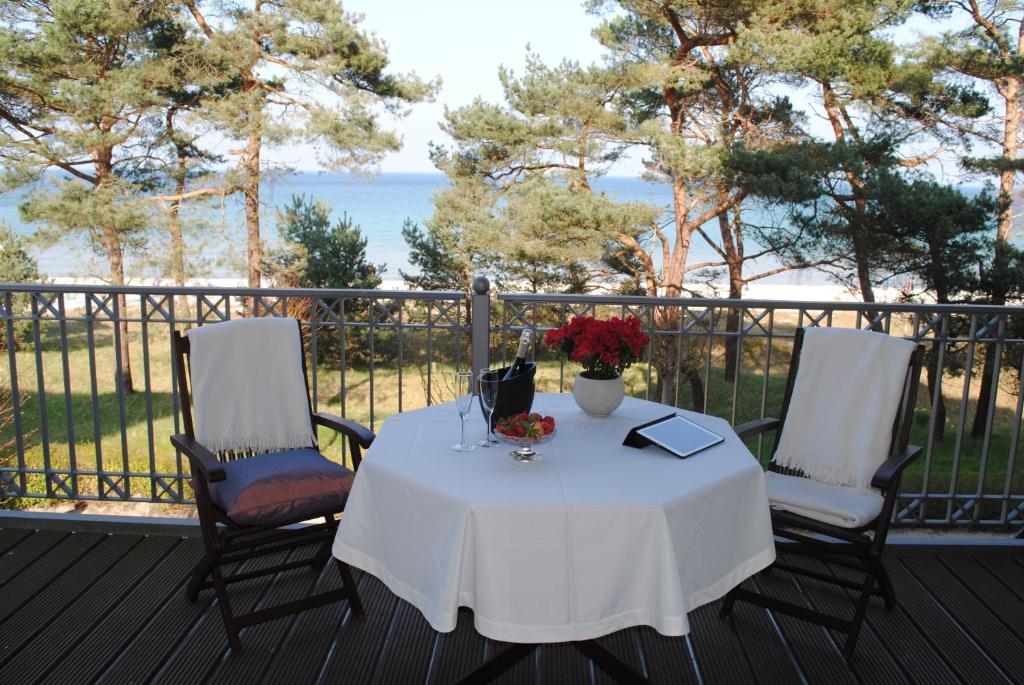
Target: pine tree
{"x": 16, "y": 266}
{"x": 520, "y": 203}
{"x": 319, "y": 255}
{"x": 433, "y": 254}
{"x": 80, "y": 91}
{"x": 303, "y": 71}
{"x": 987, "y": 55}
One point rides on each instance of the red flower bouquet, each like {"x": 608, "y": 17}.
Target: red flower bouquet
{"x": 604, "y": 348}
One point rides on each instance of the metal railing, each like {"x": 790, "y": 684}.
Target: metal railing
{"x": 730, "y": 358}
{"x": 76, "y": 432}
{"x": 92, "y": 398}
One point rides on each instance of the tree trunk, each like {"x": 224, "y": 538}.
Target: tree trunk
{"x": 732, "y": 327}
{"x": 934, "y": 375}
{"x": 696, "y": 388}
{"x": 177, "y": 265}
{"x": 667, "y": 361}
{"x": 733, "y": 249}
{"x": 1013, "y": 119}
{"x": 861, "y": 255}
{"x": 115, "y": 255}
{"x": 177, "y": 251}
{"x": 1007, "y": 177}
{"x": 174, "y": 227}
{"x": 666, "y": 389}
{"x": 675, "y": 269}
{"x": 251, "y": 190}
{"x": 984, "y": 392}
{"x": 103, "y": 157}
{"x": 933, "y": 370}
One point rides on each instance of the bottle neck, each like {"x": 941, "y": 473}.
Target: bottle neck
{"x": 524, "y": 345}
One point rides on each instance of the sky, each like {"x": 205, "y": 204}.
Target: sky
{"x": 465, "y": 41}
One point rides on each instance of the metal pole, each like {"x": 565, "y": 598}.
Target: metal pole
{"x": 481, "y": 327}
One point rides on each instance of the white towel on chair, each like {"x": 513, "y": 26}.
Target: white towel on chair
{"x": 848, "y": 388}
{"x": 835, "y": 504}
{"x": 248, "y": 387}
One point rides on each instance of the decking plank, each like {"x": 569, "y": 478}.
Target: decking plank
{"x": 304, "y": 650}
{"x": 262, "y": 640}
{"x": 44, "y": 649}
{"x": 9, "y": 537}
{"x": 916, "y": 654}
{"x": 717, "y": 646}
{"x": 563, "y": 663}
{"x": 668, "y": 658}
{"x": 627, "y": 647}
{"x": 989, "y": 589}
{"x": 880, "y": 666}
{"x": 201, "y": 650}
{"x": 461, "y": 650}
{"x": 526, "y": 671}
{"x": 358, "y": 644}
{"x": 814, "y": 650}
{"x": 51, "y": 595}
{"x": 112, "y": 635}
{"x": 96, "y": 608}
{"x": 1005, "y": 569}
{"x": 39, "y": 545}
{"x": 765, "y": 650}
{"x": 929, "y": 618}
{"x": 989, "y": 632}
{"x": 169, "y": 627}
{"x": 410, "y": 646}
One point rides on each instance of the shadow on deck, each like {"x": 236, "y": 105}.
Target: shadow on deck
{"x": 93, "y": 607}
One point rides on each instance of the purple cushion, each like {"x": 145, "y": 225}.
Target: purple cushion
{"x": 281, "y": 486}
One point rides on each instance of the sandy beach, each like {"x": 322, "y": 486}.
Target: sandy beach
{"x": 802, "y": 292}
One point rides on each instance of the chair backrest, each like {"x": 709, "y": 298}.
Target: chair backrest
{"x": 902, "y": 423}
{"x": 181, "y": 352}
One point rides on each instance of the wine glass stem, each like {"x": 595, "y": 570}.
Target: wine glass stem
{"x": 462, "y": 420}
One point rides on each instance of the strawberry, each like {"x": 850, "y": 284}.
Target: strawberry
{"x": 523, "y": 425}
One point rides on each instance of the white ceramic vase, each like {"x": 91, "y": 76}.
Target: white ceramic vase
{"x": 598, "y": 397}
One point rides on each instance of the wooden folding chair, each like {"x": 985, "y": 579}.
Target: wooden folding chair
{"x": 858, "y": 547}
{"x": 222, "y": 480}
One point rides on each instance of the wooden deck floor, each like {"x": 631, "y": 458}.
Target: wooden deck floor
{"x": 90, "y": 607}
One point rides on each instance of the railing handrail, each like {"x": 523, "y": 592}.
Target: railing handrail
{"x": 646, "y": 300}
{"x": 345, "y": 293}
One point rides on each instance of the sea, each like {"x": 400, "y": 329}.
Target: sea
{"x": 378, "y": 204}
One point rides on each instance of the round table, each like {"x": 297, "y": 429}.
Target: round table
{"x": 594, "y": 538}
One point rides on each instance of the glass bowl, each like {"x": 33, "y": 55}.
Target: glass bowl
{"x": 525, "y": 453}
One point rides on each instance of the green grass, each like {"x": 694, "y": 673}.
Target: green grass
{"x": 143, "y": 444}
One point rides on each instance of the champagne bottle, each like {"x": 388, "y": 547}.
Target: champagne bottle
{"x": 519, "y": 363}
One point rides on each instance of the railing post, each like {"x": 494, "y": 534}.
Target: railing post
{"x": 481, "y": 326}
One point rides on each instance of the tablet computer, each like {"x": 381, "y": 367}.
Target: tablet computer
{"x": 680, "y": 436}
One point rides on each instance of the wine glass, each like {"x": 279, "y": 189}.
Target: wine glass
{"x": 489, "y": 383}
{"x": 463, "y": 402}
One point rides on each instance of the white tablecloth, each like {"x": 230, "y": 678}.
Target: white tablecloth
{"x": 594, "y": 538}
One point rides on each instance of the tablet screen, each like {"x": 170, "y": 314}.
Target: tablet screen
{"x": 680, "y": 436}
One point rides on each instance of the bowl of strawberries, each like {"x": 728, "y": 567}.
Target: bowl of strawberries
{"x": 524, "y": 431}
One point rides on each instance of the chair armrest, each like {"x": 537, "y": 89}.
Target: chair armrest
{"x": 362, "y": 435}
{"x": 201, "y": 457}
{"x": 755, "y": 427}
{"x": 891, "y": 469}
